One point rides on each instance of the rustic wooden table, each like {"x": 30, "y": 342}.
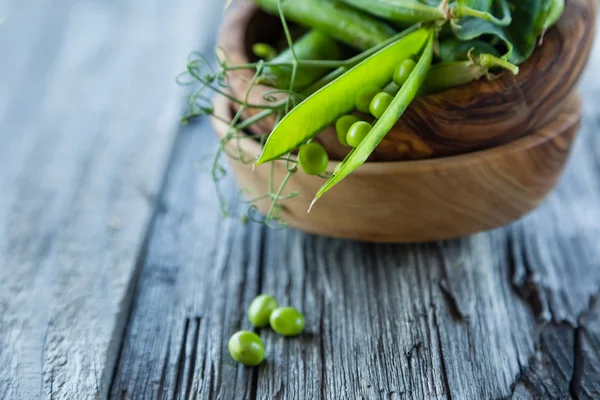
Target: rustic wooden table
{"x": 119, "y": 278}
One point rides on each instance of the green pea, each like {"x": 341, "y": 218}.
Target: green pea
{"x": 260, "y": 310}
{"x": 380, "y": 103}
{"x": 287, "y": 321}
{"x": 246, "y": 348}
{"x": 313, "y": 158}
{"x": 364, "y": 97}
{"x": 403, "y": 71}
{"x": 342, "y": 126}
{"x": 358, "y": 132}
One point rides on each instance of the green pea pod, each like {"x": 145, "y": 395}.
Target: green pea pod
{"x": 312, "y": 46}
{"x": 458, "y": 50}
{"x": 402, "y": 11}
{"x": 384, "y": 124}
{"x": 338, "y": 97}
{"x": 448, "y": 75}
{"x": 336, "y": 19}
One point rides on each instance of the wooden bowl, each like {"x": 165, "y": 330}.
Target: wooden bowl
{"x": 480, "y": 115}
{"x": 424, "y": 200}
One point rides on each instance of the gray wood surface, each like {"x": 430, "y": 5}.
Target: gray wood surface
{"x": 89, "y": 111}
{"x": 119, "y": 278}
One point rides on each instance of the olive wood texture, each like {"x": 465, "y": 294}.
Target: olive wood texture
{"x": 480, "y": 115}
{"x": 422, "y": 200}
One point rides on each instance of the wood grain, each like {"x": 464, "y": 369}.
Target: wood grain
{"x": 451, "y": 320}
{"x": 88, "y": 114}
{"x": 480, "y": 115}
{"x": 509, "y": 314}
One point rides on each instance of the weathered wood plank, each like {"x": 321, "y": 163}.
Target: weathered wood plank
{"x": 86, "y": 129}
{"x": 504, "y": 314}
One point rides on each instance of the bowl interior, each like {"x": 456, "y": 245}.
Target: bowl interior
{"x": 483, "y": 114}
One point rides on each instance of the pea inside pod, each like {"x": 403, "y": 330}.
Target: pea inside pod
{"x": 365, "y": 96}
{"x": 342, "y": 126}
{"x": 338, "y": 98}
{"x": 380, "y": 103}
{"x": 358, "y": 132}
{"x": 403, "y": 71}
{"x": 395, "y": 110}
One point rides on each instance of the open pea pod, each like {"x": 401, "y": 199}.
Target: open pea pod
{"x": 384, "y": 124}
{"x": 338, "y": 97}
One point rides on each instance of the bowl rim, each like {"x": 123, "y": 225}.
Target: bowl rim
{"x": 568, "y": 119}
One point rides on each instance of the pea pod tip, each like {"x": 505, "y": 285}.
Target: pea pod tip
{"x": 312, "y": 203}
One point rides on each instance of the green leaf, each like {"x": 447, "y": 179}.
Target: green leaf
{"x": 400, "y": 103}
{"x": 338, "y": 98}
{"x": 520, "y": 37}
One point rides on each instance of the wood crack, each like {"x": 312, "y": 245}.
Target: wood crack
{"x": 193, "y": 356}
{"x": 446, "y": 287}
{"x": 442, "y": 358}
{"x": 542, "y": 376}
{"x": 450, "y": 298}
{"x": 179, "y": 366}
{"x": 578, "y": 364}
{"x": 165, "y": 368}
{"x": 322, "y": 354}
{"x": 524, "y": 280}
{"x": 579, "y": 354}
